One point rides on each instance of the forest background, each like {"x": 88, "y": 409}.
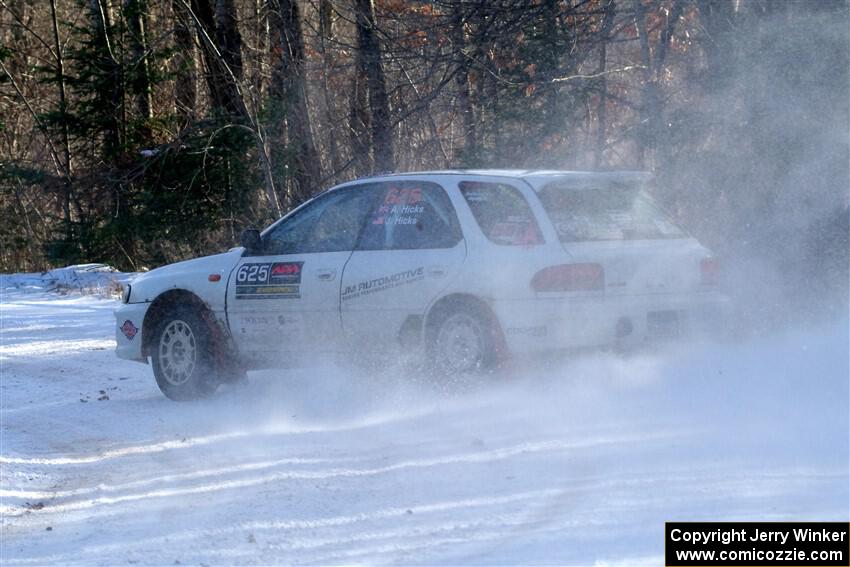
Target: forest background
{"x": 141, "y": 132}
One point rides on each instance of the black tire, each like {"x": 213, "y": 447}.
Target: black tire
{"x": 182, "y": 356}
{"x": 460, "y": 341}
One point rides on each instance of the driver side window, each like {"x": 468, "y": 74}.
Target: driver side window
{"x": 329, "y": 224}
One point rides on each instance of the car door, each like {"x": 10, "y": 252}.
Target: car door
{"x": 410, "y": 249}
{"x": 285, "y": 299}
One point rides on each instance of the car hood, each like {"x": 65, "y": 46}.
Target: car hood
{"x": 191, "y": 275}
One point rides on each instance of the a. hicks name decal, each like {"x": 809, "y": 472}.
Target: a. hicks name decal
{"x": 400, "y": 206}
{"x": 274, "y": 280}
{"x": 383, "y": 283}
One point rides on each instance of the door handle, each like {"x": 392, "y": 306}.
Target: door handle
{"x": 325, "y": 274}
{"x": 436, "y": 271}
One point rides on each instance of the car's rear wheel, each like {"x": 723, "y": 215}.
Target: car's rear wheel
{"x": 461, "y": 341}
{"x": 182, "y": 356}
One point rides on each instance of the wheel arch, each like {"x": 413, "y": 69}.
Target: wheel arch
{"x": 170, "y": 299}
{"x": 453, "y": 301}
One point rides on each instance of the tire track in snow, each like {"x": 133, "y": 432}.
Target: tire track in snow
{"x": 485, "y": 526}
{"x": 460, "y": 458}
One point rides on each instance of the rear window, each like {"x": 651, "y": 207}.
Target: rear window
{"x": 502, "y": 213}
{"x": 610, "y": 212}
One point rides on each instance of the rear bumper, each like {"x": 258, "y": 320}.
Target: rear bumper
{"x": 128, "y": 331}
{"x": 557, "y": 323}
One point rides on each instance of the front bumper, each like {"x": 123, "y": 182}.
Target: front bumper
{"x": 128, "y": 331}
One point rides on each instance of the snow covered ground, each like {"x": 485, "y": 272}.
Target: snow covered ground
{"x": 570, "y": 461}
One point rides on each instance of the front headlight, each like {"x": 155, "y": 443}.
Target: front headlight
{"x": 125, "y": 297}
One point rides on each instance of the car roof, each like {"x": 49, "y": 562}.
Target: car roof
{"x": 537, "y": 178}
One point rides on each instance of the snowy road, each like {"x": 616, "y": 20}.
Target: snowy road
{"x": 570, "y": 462}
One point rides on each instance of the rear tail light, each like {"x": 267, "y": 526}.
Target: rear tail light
{"x": 569, "y": 277}
{"x": 710, "y": 270}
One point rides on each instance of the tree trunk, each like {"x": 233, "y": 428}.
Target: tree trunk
{"x": 185, "y": 82}
{"x": 63, "y": 112}
{"x": 227, "y": 36}
{"x": 221, "y": 78}
{"x": 326, "y": 34}
{"x": 602, "y": 107}
{"x": 101, "y": 20}
{"x": 467, "y": 111}
{"x": 369, "y": 51}
{"x": 359, "y": 122}
{"x": 718, "y": 21}
{"x": 134, "y": 11}
{"x": 115, "y": 123}
{"x": 548, "y": 69}
{"x": 293, "y": 100}
{"x": 326, "y": 19}
{"x": 649, "y": 105}
{"x": 663, "y": 147}
{"x": 261, "y": 43}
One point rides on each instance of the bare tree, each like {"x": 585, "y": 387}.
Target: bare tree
{"x": 135, "y": 13}
{"x": 227, "y": 36}
{"x": 326, "y": 35}
{"x": 369, "y": 56}
{"x": 466, "y": 108}
{"x": 601, "y": 70}
{"x": 652, "y": 103}
{"x": 63, "y": 117}
{"x": 292, "y": 97}
{"x": 185, "y": 66}
{"x": 221, "y": 78}
{"x": 101, "y": 18}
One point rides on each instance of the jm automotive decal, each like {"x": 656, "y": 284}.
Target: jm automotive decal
{"x": 278, "y": 280}
{"x": 383, "y": 283}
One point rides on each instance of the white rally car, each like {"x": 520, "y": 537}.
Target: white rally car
{"x": 458, "y": 268}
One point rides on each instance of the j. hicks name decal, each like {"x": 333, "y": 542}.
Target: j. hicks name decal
{"x": 274, "y": 280}
{"x": 400, "y": 206}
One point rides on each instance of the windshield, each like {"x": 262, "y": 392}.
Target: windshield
{"x": 611, "y": 212}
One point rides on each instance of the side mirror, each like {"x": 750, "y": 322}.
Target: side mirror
{"x": 250, "y": 240}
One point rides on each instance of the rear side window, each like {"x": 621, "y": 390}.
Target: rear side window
{"x": 609, "y": 212}
{"x": 502, "y": 213}
{"x": 410, "y": 215}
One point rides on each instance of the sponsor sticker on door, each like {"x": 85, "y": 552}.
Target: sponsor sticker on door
{"x": 269, "y": 280}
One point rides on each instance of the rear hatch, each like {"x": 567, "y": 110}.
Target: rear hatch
{"x": 617, "y": 225}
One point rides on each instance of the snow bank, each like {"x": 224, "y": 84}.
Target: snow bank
{"x": 85, "y": 279}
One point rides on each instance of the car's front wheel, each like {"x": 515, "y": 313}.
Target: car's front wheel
{"x": 182, "y": 356}
{"x": 461, "y": 342}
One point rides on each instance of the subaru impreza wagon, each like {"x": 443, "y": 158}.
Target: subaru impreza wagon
{"x": 459, "y": 269}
